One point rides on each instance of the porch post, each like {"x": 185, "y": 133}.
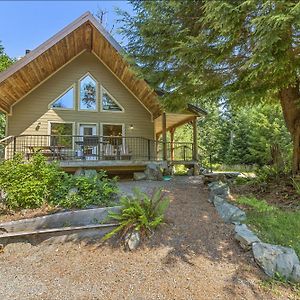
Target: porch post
{"x": 164, "y": 135}
{"x": 195, "y": 140}
{"x": 172, "y": 132}
{"x": 157, "y": 146}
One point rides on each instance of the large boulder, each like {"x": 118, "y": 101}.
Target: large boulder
{"x": 139, "y": 176}
{"x": 230, "y": 213}
{"x": 217, "y": 200}
{"x": 153, "y": 172}
{"x": 275, "y": 259}
{"x": 245, "y": 236}
{"x": 296, "y": 273}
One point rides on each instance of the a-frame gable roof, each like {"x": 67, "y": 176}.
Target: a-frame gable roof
{"x": 84, "y": 34}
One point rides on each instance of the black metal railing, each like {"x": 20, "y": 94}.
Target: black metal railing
{"x": 78, "y": 147}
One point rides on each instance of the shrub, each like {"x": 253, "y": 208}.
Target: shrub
{"x": 86, "y": 191}
{"x": 139, "y": 213}
{"x": 268, "y": 173}
{"x": 31, "y": 184}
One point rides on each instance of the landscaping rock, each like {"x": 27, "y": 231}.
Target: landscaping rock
{"x": 79, "y": 172}
{"x": 139, "y": 176}
{"x": 230, "y": 213}
{"x": 245, "y": 236}
{"x": 211, "y": 177}
{"x": 90, "y": 173}
{"x": 153, "y": 172}
{"x": 217, "y": 200}
{"x": 221, "y": 190}
{"x": 296, "y": 273}
{"x": 132, "y": 240}
{"x": 275, "y": 259}
{"x": 73, "y": 191}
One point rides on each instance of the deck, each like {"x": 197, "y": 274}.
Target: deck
{"x": 100, "y": 152}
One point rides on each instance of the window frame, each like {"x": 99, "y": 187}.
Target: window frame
{"x": 73, "y": 86}
{"x": 104, "y": 90}
{"x": 61, "y": 122}
{"x": 97, "y": 93}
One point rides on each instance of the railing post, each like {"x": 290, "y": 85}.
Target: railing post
{"x": 149, "y": 153}
{"x": 184, "y": 152}
{"x": 195, "y": 135}
{"x": 15, "y": 145}
{"x": 164, "y": 135}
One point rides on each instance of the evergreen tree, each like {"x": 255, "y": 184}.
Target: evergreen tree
{"x": 246, "y": 51}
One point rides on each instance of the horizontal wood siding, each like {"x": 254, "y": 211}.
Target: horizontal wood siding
{"x": 33, "y": 109}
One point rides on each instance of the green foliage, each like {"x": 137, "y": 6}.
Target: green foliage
{"x": 296, "y": 185}
{"x": 34, "y": 183}
{"x": 29, "y": 185}
{"x": 270, "y": 173}
{"x": 140, "y": 213}
{"x": 5, "y": 60}
{"x": 273, "y": 225}
{"x": 86, "y": 191}
{"x": 244, "y": 50}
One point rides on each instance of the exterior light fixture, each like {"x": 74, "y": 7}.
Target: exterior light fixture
{"x": 131, "y": 126}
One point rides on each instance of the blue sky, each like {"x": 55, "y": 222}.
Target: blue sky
{"x": 27, "y": 24}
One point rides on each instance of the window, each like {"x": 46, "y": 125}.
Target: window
{"x": 66, "y": 101}
{"x": 61, "y": 134}
{"x": 108, "y": 103}
{"x": 112, "y": 134}
{"x": 88, "y": 93}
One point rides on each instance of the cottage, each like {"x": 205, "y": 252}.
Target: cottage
{"x": 76, "y": 100}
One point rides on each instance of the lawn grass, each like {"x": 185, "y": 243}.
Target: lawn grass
{"x": 271, "y": 224}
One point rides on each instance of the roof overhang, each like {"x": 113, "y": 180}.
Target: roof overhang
{"x": 84, "y": 34}
{"x": 174, "y": 120}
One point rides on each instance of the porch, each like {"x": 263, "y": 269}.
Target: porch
{"x": 105, "y": 152}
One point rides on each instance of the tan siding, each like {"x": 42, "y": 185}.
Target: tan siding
{"x": 33, "y": 109}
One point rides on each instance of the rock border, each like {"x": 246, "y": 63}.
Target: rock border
{"x": 274, "y": 260}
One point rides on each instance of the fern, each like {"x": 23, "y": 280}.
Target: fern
{"x": 139, "y": 213}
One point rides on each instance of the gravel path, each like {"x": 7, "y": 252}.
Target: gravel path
{"x": 193, "y": 256}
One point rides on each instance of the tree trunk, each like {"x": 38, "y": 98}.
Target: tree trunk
{"x": 290, "y": 103}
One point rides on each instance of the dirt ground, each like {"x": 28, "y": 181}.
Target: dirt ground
{"x": 193, "y": 256}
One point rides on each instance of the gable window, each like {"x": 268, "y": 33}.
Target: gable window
{"x": 65, "y": 101}
{"x": 88, "y": 93}
{"x": 61, "y": 134}
{"x": 109, "y": 103}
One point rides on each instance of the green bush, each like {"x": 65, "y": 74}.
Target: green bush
{"x": 86, "y": 191}
{"x": 37, "y": 182}
{"x": 270, "y": 173}
{"x": 139, "y": 213}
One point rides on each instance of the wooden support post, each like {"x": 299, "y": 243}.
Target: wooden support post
{"x": 195, "y": 140}
{"x": 172, "y": 132}
{"x": 164, "y": 135}
{"x": 157, "y": 146}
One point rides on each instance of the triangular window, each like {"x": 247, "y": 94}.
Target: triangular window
{"x": 109, "y": 103}
{"x": 65, "y": 101}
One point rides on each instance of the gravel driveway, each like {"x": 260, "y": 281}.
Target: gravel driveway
{"x": 193, "y": 256}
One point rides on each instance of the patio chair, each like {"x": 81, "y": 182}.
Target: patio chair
{"x": 124, "y": 152}
{"x": 109, "y": 152}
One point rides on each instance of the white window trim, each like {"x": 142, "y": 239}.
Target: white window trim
{"x": 122, "y": 124}
{"x": 102, "y": 90}
{"x": 62, "y": 108}
{"x": 97, "y": 93}
{"x": 62, "y": 122}
{"x": 87, "y": 123}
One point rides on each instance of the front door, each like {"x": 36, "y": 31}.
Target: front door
{"x": 90, "y": 141}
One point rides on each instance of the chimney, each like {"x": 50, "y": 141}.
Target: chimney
{"x": 27, "y": 51}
